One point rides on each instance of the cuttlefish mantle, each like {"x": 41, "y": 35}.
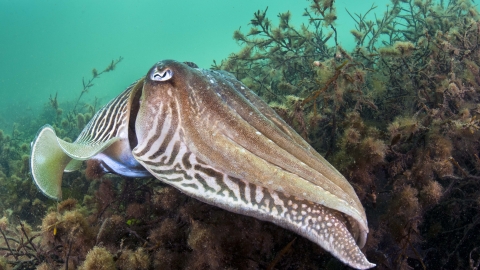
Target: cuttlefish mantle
{"x": 211, "y": 137}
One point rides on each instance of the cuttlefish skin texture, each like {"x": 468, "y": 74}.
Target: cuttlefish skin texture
{"x": 209, "y": 136}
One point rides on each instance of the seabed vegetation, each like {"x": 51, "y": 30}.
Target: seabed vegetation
{"x": 398, "y": 115}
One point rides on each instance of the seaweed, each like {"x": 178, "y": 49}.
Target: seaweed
{"x": 68, "y": 123}
{"x": 398, "y": 115}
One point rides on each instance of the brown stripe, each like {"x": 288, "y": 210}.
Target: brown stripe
{"x": 241, "y": 188}
{"x": 173, "y": 155}
{"x": 170, "y": 134}
{"x": 189, "y": 185}
{"x": 90, "y": 134}
{"x": 175, "y": 170}
{"x": 203, "y": 182}
{"x": 253, "y": 193}
{"x": 160, "y": 122}
{"x": 218, "y": 179}
{"x": 186, "y": 161}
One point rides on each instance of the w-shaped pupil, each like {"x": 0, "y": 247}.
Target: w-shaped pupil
{"x": 160, "y": 76}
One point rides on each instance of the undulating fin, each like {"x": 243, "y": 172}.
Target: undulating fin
{"x": 73, "y": 165}
{"x": 328, "y": 228}
{"x": 47, "y": 162}
{"x": 51, "y": 155}
{"x": 84, "y": 151}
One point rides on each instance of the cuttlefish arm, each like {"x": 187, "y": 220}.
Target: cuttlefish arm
{"x": 300, "y": 159}
{"x": 107, "y": 138}
{"x": 202, "y": 133}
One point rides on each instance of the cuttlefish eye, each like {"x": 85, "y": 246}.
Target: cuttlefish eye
{"x": 161, "y": 76}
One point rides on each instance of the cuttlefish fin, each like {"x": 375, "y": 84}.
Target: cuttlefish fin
{"x": 73, "y": 165}
{"x": 51, "y": 156}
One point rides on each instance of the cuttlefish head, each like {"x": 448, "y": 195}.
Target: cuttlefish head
{"x": 157, "y": 97}
{"x": 168, "y": 96}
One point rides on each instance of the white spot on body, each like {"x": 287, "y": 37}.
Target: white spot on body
{"x": 265, "y": 205}
{"x": 307, "y": 220}
{"x": 258, "y": 194}
{"x": 274, "y": 211}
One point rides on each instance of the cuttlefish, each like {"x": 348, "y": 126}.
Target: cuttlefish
{"x": 208, "y": 135}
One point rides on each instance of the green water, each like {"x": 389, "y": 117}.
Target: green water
{"x": 399, "y": 119}
{"x": 48, "y": 46}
